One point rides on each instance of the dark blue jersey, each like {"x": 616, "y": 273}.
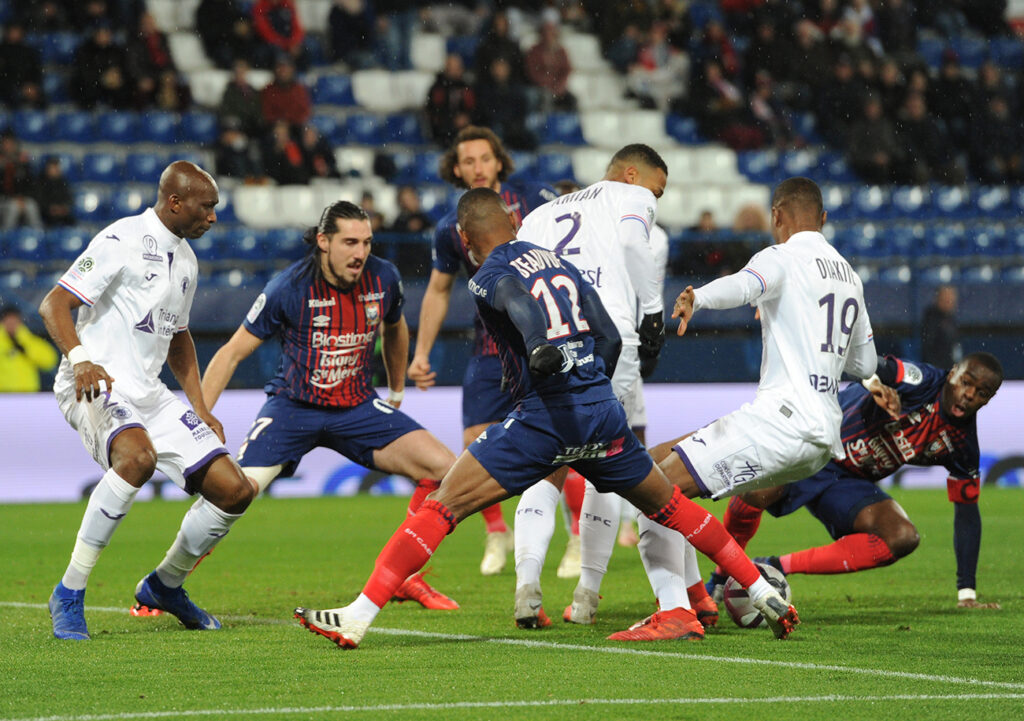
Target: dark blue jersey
{"x": 558, "y": 290}
{"x": 449, "y": 254}
{"x": 877, "y": 445}
{"x": 327, "y": 334}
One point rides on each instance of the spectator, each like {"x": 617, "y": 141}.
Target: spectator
{"x": 43, "y": 16}
{"x": 501, "y": 106}
{"x": 810, "y": 56}
{"x": 277, "y": 25}
{"x": 705, "y": 223}
{"x": 148, "y": 55}
{"x": 22, "y": 354}
{"x": 897, "y": 28}
{"x": 21, "y": 71}
{"x": 16, "y": 185}
{"x": 283, "y": 156}
{"x": 241, "y": 101}
{"x": 410, "y": 218}
{"x": 991, "y": 83}
{"x": 369, "y": 205}
{"x": 53, "y": 195}
{"x": 714, "y": 44}
{"x": 227, "y": 34}
{"x": 891, "y": 87}
{"x": 100, "y": 72}
{"x": 875, "y": 154}
{"x": 950, "y": 97}
{"x": 236, "y": 155}
{"x": 396, "y": 22}
{"x": 841, "y": 102}
{"x": 451, "y": 102}
{"x": 751, "y": 218}
{"x": 767, "y": 52}
{"x": 90, "y": 14}
{"x": 722, "y": 110}
{"x": 548, "y": 68}
{"x": 769, "y": 114}
{"x": 351, "y": 33}
{"x": 285, "y": 98}
{"x": 995, "y": 154}
{"x": 317, "y": 154}
{"x": 926, "y": 145}
{"x": 497, "y": 43}
{"x": 171, "y": 94}
{"x": 940, "y": 336}
{"x": 623, "y": 50}
{"x": 656, "y": 77}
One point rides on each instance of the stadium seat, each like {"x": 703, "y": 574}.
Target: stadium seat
{"x": 73, "y": 126}
{"x": 465, "y": 47}
{"x": 118, "y": 126}
{"x": 584, "y": 50}
{"x": 208, "y": 85}
{"x": 554, "y": 166}
{"x": 187, "y": 52}
{"x": 835, "y": 168}
{"x": 144, "y": 167}
{"x": 806, "y": 126}
{"x": 901, "y": 274}
{"x": 101, "y": 168}
{"x": 55, "y": 87}
{"x": 365, "y": 129}
{"x": 314, "y": 14}
{"x": 434, "y": 200}
{"x": 562, "y": 129}
{"x": 92, "y": 203}
{"x": 297, "y": 206}
{"x": 525, "y": 165}
{"x": 1014, "y": 241}
{"x": 589, "y": 164}
{"x": 226, "y": 207}
{"x": 931, "y": 47}
{"x": 644, "y": 126}
{"x": 759, "y": 166}
{"x": 944, "y": 242}
{"x": 972, "y": 51}
{"x": 837, "y": 200}
{"x": 603, "y": 90}
{"x": 10, "y": 279}
{"x": 682, "y": 128}
{"x": 374, "y": 90}
{"x": 55, "y": 48}
{"x": 411, "y": 88}
{"x": 67, "y": 243}
{"x": 284, "y": 243}
{"x": 951, "y": 201}
{"x": 355, "y": 161}
{"x": 165, "y": 14}
{"x": 424, "y": 167}
{"x": 870, "y": 202}
{"x": 199, "y": 127}
{"x": 404, "y": 128}
{"x": 986, "y": 241}
{"x": 247, "y": 244}
{"x": 993, "y": 201}
{"x": 255, "y": 206}
{"x": 69, "y": 165}
{"x": 130, "y": 199}
{"x": 803, "y": 162}
{"x": 1013, "y": 274}
{"x": 986, "y": 273}
{"x": 25, "y": 245}
{"x": 712, "y": 164}
{"x": 427, "y": 51}
{"x": 911, "y": 202}
{"x": 601, "y": 128}
{"x": 333, "y": 89}
{"x": 157, "y": 126}
{"x": 860, "y": 242}
{"x": 31, "y": 126}
{"x": 1007, "y": 52}
{"x": 939, "y": 274}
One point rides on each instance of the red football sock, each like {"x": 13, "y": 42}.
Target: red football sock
{"x": 708, "y": 536}
{"x": 856, "y": 552}
{"x": 424, "y": 487}
{"x": 697, "y": 592}
{"x": 741, "y": 520}
{"x": 574, "y": 486}
{"x": 493, "y": 518}
{"x": 409, "y": 548}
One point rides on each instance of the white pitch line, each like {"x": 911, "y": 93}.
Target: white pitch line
{"x": 831, "y": 698}
{"x": 621, "y": 650}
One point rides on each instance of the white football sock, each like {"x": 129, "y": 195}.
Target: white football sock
{"x": 108, "y": 504}
{"x": 201, "y": 529}
{"x": 534, "y": 526}
{"x": 362, "y": 609}
{"x": 599, "y": 526}
{"x": 663, "y": 552}
{"x": 692, "y": 575}
{"x": 760, "y": 588}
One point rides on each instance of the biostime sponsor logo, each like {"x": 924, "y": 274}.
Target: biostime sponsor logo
{"x": 342, "y": 340}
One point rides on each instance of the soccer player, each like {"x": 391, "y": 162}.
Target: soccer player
{"x": 556, "y": 343}
{"x": 814, "y": 327}
{"x": 935, "y": 424}
{"x": 327, "y": 310}
{"x": 476, "y": 159}
{"x": 604, "y": 230}
{"x": 136, "y": 281}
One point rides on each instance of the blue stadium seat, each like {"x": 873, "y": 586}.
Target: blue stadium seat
{"x": 333, "y": 89}
{"x": 1013, "y": 274}
{"x": 525, "y": 164}
{"x": 198, "y": 127}
{"x": 31, "y": 126}
{"x": 759, "y": 166}
{"x": 284, "y": 243}
{"x": 901, "y": 274}
{"x": 554, "y": 166}
{"x": 67, "y": 243}
{"x": 213, "y": 246}
{"x": 903, "y": 241}
{"x": 365, "y": 129}
{"x": 11, "y": 280}
{"x": 931, "y": 48}
{"x": 130, "y": 199}
{"x": 861, "y": 242}
{"x": 871, "y": 202}
{"x": 55, "y": 87}
{"x": 26, "y": 245}
{"x": 92, "y": 203}
{"x": 564, "y": 128}
{"x": 806, "y": 125}
{"x": 993, "y": 201}
{"x": 423, "y": 168}
{"x": 1007, "y": 52}
{"x": 986, "y": 241}
{"x": 985, "y": 273}
{"x": 952, "y": 201}
{"x": 1014, "y": 240}
{"x": 434, "y": 199}
{"x": 464, "y": 46}
{"x": 683, "y": 128}
{"x": 837, "y": 200}
{"x": 972, "y": 51}
{"x": 156, "y": 126}
{"x": 55, "y": 48}
{"x": 945, "y": 242}
{"x": 144, "y": 167}
{"x": 331, "y": 128}
{"x": 74, "y": 126}
{"x": 118, "y": 126}
{"x": 404, "y": 128}
{"x": 836, "y": 169}
{"x": 246, "y": 244}
{"x": 940, "y": 274}
{"x": 911, "y": 202}
{"x": 68, "y": 164}
{"x": 101, "y": 168}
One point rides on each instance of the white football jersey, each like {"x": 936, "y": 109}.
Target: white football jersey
{"x": 137, "y": 281}
{"x": 814, "y": 325}
{"x": 594, "y": 229}
{"x": 659, "y": 250}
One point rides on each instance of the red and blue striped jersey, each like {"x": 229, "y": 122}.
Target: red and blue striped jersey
{"x": 327, "y": 334}
{"x": 877, "y": 445}
{"x": 449, "y": 254}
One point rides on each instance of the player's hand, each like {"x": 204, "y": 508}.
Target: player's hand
{"x": 215, "y": 425}
{"x": 419, "y": 372}
{"x": 546, "y": 360}
{"x": 887, "y": 398}
{"x": 91, "y": 380}
{"x": 647, "y": 365}
{"x": 973, "y": 603}
{"x": 683, "y": 309}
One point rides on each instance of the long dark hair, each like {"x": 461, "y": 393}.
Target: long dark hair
{"x": 338, "y": 210}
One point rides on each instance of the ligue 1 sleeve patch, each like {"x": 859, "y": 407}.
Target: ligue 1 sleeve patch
{"x": 257, "y": 308}
{"x": 912, "y": 375}
{"x": 85, "y": 264}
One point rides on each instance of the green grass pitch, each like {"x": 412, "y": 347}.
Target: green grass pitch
{"x": 884, "y": 644}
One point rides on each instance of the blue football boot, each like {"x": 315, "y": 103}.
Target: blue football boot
{"x": 152, "y": 592}
{"x": 67, "y": 611}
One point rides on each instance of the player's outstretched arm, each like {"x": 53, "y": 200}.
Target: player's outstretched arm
{"x": 888, "y": 399}
{"x": 224, "y": 362}
{"x": 395, "y": 350}
{"x": 91, "y": 379}
{"x": 967, "y": 547}
{"x": 683, "y": 309}
{"x": 433, "y": 310}
{"x": 181, "y": 358}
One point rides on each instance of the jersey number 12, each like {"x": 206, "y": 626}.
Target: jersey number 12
{"x": 558, "y": 327}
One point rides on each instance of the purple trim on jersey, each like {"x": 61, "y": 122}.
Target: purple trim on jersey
{"x": 117, "y": 432}
{"x": 704, "y": 492}
{"x": 633, "y": 216}
{"x": 78, "y": 294}
{"x": 205, "y": 459}
{"x": 760, "y": 279}
{"x": 170, "y": 259}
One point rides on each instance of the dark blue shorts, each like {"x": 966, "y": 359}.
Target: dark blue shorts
{"x": 483, "y": 401}
{"x": 285, "y": 431}
{"x": 594, "y": 439}
{"x": 833, "y": 496}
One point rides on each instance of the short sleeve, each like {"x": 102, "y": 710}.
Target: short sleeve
{"x": 396, "y": 294}
{"x": 444, "y": 254}
{"x": 95, "y": 269}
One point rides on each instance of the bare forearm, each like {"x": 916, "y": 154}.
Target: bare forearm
{"x": 56, "y": 313}
{"x": 432, "y": 314}
{"x": 218, "y": 374}
{"x": 395, "y": 350}
{"x": 181, "y": 358}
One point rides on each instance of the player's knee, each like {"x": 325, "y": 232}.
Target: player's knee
{"x": 902, "y": 540}
{"x": 136, "y": 465}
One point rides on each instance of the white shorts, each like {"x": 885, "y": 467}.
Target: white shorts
{"x": 758, "y": 446}
{"x": 183, "y": 442}
{"x": 628, "y": 387}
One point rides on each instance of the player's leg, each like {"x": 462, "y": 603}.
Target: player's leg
{"x": 535, "y": 525}
{"x": 573, "y": 491}
{"x": 499, "y": 540}
{"x": 742, "y": 519}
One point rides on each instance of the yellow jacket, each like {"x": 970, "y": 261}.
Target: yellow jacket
{"x": 19, "y": 367}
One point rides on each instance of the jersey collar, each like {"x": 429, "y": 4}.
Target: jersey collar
{"x": 166, "y": 240}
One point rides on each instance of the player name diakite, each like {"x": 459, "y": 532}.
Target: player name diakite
{"x": 836, "y": 270}
{"x": 343, "y": 340}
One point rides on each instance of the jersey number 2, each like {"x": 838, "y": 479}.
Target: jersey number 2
{"x": 557, "y": 326}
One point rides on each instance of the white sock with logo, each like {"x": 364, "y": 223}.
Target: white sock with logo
{"x": 599, "y": 526}
{"x": 663, "y": 552}
{"x": 201, "y": 529}
{"x": 534, "y": 526}
{"x": 108, "y": 504}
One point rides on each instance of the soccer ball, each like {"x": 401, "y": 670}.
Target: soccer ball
{"x": 738, "y": 604}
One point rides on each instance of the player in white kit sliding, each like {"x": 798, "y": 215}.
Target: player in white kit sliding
{"x": 814, "y": 327}
{"x": 133, "y": 287}
{"x": 603, "y": 230}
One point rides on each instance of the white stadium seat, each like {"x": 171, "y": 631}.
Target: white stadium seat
{"x": 313, "y": 14}
{"x": 411, "y": 88}
{"x": 187, "y": 52}
{"x": 613, "y": 129}
{"x": 165, "y": 14}
{"x": 297, "y": 205}
{"x": 428, "y": 51}
{"x": 186, "y": 13}
{"x": 255, "y": 206}
{"x": 589, "y": 164}
{"x": 597, "y": 90}
{"x": 374, "y": 90}
{"x": 601, "y": 128}
{"x": 679, "y": 160}
{"x": 207, "y": 86}
{"x": 714, "y": 164}
{"x": 584, "y": 51}
{"x": 351, "y": 159}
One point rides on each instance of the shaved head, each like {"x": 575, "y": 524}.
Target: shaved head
{"x": 186, "y": 198}
{"x": 484, "y": 222}
{"x": 182, "y": 178}
{"x": 799, "y": 196}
